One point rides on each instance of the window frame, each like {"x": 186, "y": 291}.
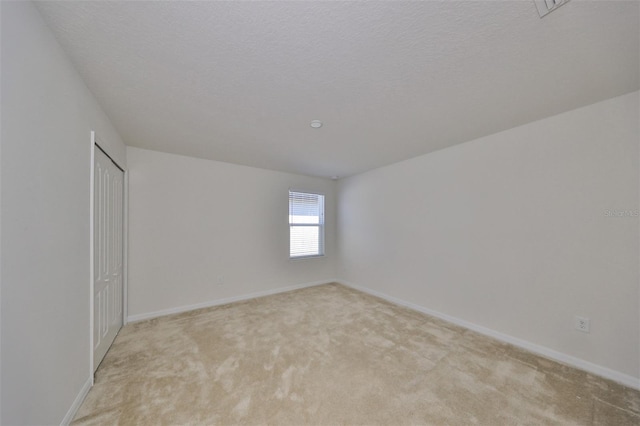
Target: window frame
{"x": 320, "y": 225}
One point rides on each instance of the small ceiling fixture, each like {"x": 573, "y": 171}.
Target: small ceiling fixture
{"x": 316, "y": 124}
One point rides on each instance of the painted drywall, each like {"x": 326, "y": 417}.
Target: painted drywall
{"x": 47, "y": 116}
{"x": 240, "y": 81}
{"x": 517, "y": 232}
{"x": 201, "y": 231}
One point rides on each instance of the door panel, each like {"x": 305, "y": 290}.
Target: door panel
{"x": 108, "y": 251}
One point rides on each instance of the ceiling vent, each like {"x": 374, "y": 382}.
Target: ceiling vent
{"x": 547, "y": 6}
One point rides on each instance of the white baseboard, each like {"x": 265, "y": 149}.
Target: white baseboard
{"x": 77, "y": 403}
{"x": 581, "y": 364}
{"x": 218, "y": 302}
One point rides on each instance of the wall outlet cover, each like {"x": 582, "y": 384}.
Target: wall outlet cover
{"x": 582, "y": 324}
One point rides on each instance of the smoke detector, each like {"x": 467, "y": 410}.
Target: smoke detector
{"x": 547, "y": 6}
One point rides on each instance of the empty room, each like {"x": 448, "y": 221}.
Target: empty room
{"x": 320, "y": 212}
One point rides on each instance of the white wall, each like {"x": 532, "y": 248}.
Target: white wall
{"x": 192, "y": 221}
{"x": 47, "y": 116}
{"x": 510, "y": 232}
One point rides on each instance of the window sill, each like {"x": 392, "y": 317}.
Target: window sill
{"x": 313, "y": 256}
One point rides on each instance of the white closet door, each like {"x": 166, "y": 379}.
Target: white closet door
{"x": 108, "y": 253}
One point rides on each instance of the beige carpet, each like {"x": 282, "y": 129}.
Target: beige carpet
{"x": 329, "y": 355}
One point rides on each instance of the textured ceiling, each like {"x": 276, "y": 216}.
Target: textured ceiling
{"x": 241, "y": 81}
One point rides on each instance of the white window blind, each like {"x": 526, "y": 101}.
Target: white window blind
{"x": 306, "y": 224}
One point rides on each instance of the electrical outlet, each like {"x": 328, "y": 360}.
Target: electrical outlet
{"x": 220, "y": 280}
{"x": 581, "y": 324}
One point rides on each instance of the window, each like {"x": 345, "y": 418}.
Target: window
{"x": 306, "y": 224}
